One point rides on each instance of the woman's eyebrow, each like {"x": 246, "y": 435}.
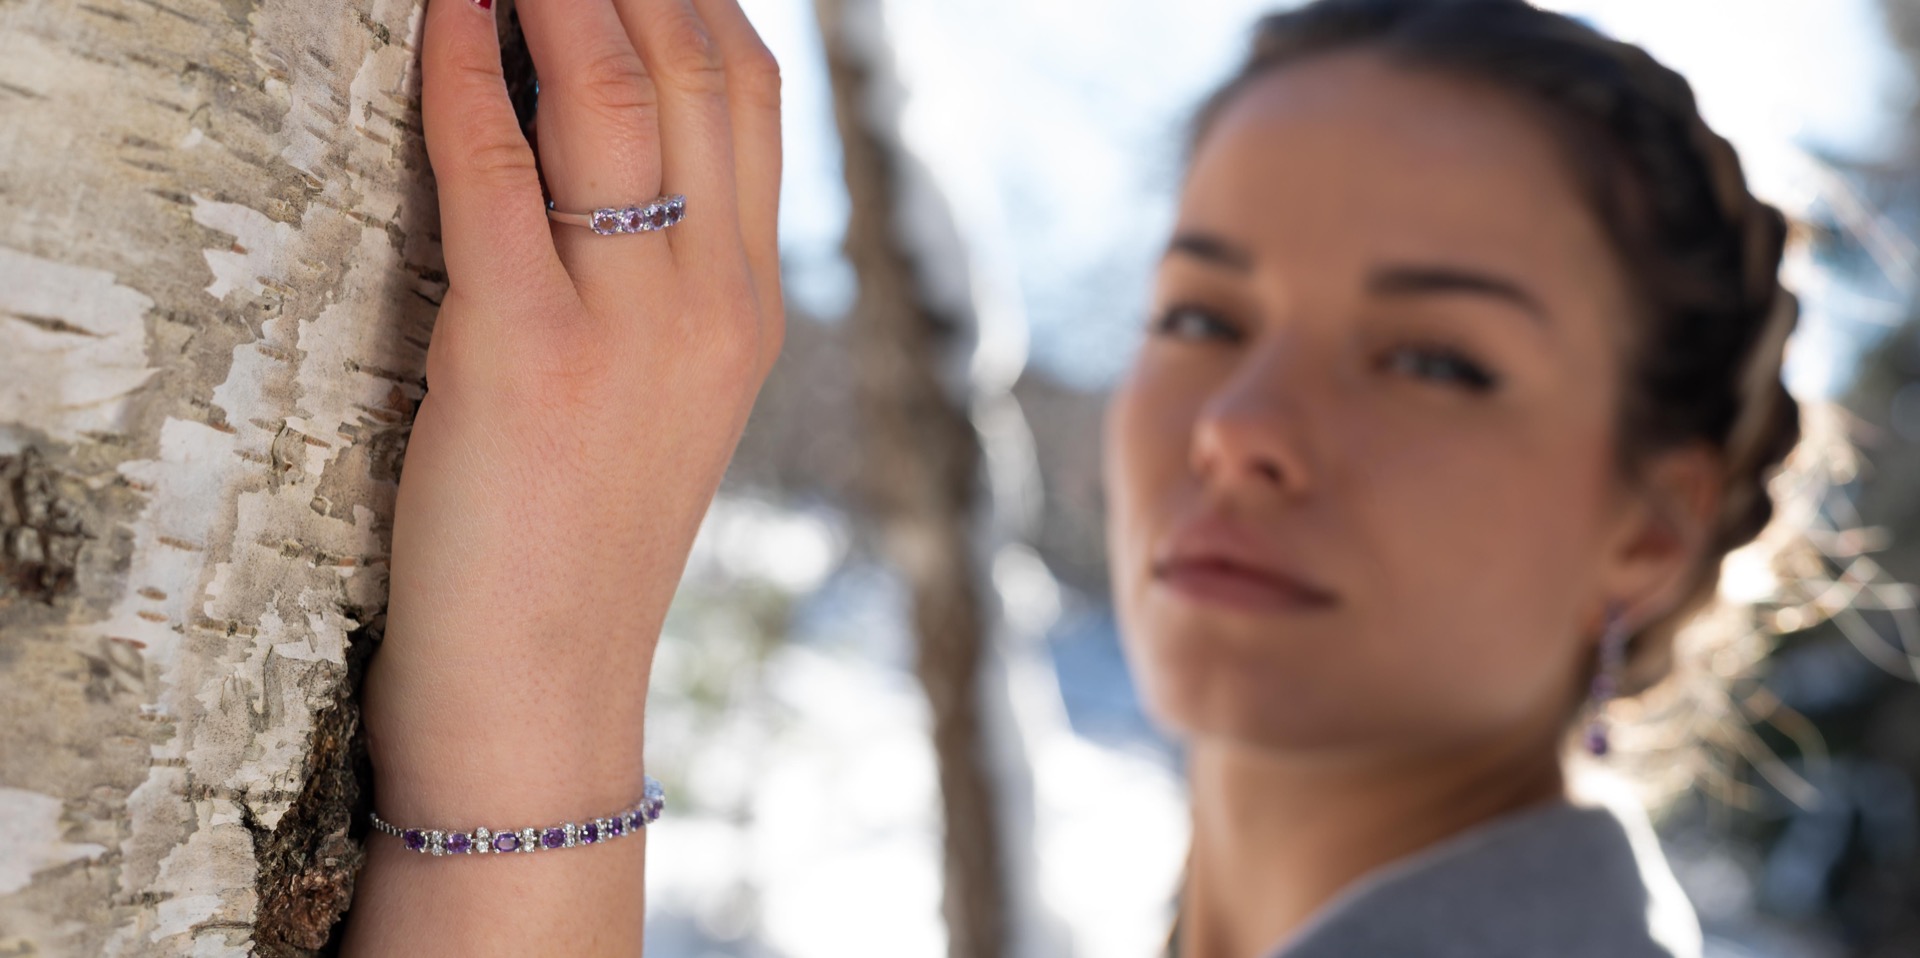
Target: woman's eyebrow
{"x": 1406, "y": 280}
{"x": 1211, "y": 249}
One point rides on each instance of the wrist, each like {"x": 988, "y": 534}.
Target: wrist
{"x": 503, "y": 739}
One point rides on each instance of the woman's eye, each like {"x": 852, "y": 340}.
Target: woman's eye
{"x": 1185, "y": 321}
{"x": 1442, "y": 365}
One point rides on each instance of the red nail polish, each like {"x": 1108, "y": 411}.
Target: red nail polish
{"x": 483, "y": 4}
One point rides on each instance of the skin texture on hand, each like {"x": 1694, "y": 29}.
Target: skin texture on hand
{"x": 585, "y": 395}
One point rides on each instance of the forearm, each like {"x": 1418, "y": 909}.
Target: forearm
{"x": 510, "y": 691}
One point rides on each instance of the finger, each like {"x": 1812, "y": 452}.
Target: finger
{"x": 753, "y": 101}
{"x": 696, "y": 136}
{"x": 493, "y": 230}
{"x": 599, "y": 131}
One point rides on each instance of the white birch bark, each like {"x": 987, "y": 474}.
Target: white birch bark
{"x": 219, "y": 264}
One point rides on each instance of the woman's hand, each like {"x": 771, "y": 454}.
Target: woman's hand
{"x": 586, "y": 394}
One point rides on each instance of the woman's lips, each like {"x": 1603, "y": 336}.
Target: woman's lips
{"x": 1218, "y": 582}
{"x": 1213, "y": 559}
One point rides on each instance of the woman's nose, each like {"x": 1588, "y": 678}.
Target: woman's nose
{"x": 1249, "y": 432}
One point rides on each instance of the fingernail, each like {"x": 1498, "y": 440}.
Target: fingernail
{"x": 483, "y": 4}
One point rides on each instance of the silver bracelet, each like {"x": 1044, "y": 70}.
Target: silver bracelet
{"x": 485, "y": 841}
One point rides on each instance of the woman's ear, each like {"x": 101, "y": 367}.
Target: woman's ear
{"x": 1664, "y": 529}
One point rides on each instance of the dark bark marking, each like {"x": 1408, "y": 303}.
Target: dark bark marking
{"x": 52, "y": 324}
{"x": 103, "y": 12}
{"x": 156, "y": 101}
{"x": 40, "y": 530}
{"x": 147, "y": 165}
{"x": 163, "y": 8}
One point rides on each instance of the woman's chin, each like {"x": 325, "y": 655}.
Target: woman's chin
{"x": 1229, "y": 702}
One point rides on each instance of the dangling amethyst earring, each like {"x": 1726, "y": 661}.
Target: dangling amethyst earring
{"x": 1606, "y": 679}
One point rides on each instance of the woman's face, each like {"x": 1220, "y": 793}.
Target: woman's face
{"x": 1383, "y": 360}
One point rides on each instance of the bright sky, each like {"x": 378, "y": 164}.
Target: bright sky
{"x": 1053, "y": 125}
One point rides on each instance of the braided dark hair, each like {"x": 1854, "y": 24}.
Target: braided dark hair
{"x": 1702, "y": 253}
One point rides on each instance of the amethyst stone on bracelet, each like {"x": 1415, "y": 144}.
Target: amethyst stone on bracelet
{"x": 484, "y": 841}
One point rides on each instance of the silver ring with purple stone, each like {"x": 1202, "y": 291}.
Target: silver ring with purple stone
{"x": 657, "y": 214}
{"x": 488, "y": 841}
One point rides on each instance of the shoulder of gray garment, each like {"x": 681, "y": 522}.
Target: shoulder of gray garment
{"x": 1560, "y": 880}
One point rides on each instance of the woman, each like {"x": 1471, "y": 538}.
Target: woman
{"x": 1463, "y": 374}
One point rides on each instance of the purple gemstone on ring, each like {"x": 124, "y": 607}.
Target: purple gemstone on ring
{"x": 632, "y": 220}
{"x": 676, "y": 210}
{"x": 554, "y": 838}
{"x": 589, "y": 833}
{"x": 657, "y": 217}
{"x": 606, "y": 221}
{"x": 415, "y": 839}
{"x": 506, "y": 842}
{"x": 459, "y": 844}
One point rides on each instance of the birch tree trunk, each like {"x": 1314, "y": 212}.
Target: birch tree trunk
{"x": 218, "y": 268}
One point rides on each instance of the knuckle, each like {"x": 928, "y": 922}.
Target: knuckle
{"x": 757, "y": 78}
{"x": 733, "y": 347}
{"x": 689, "y": 56}
{"x": 466, "y": 140}
{"x": 614, "y": 82}
{"x": 497, "y": 158}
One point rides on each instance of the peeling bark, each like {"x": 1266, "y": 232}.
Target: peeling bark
{"x": 219, "y": 266}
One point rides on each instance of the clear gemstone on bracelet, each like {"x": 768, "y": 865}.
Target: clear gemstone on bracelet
{"x": 436, "y": 843}
{"x": 529, "y": 839}
{"x": 482, "y": 840}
